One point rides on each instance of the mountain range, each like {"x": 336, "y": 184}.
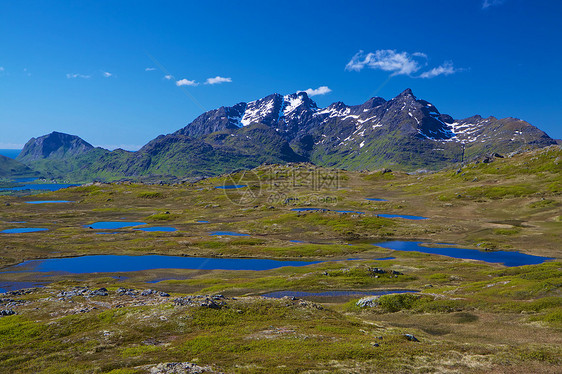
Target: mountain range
{"x": 404, "y": 133}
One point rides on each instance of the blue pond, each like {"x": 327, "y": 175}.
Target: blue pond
{"x": 280, "y": 294}
{"x": 110, "y": 225}
{"x": 227, "y": 233}
{"x": 111, "y": 263}
{"x": 158, "y": 229}
{"x": 48, "y": 201}
{"x": 203, "y": 222}
{"x": 502, "y": 257}
{"x": 40, "y": 187}
{"x": 22, "y": 230}
{"x": 231, "y": 186}
{"x": 374, "y": 199}
{"x": 405, "y": 216}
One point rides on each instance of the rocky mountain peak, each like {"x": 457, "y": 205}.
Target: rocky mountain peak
{"x": 55, "y": 145}
{"x": 373, "y": 102}
{"x": 407, "y": 93}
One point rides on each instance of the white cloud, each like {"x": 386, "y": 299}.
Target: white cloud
{"x": 489, "y": 3}
{"x": 322, "y": 90}
{"x": 168, "y": 77}
{"x": 149, "y": 69}
{"x": 419, "y": 54}
{"x": 107, "y": 74}
{"x": 446, "y": 68}
{"x": 186, "y": 82}
{"x": 399, "y": 63}
{"x": 74, "y": 75}
{"x": 217, "y": 80}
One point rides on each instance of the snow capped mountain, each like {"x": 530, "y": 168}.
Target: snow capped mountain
{"x": 404, "y": 132}
{"x": 284, "y": 113}
{"x": 404, "y": 129}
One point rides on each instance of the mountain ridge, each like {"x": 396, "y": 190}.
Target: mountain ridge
{"x": 404, "y": 132}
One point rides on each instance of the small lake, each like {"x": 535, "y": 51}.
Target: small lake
{"x": 375, "y": 199}
{"x": 280, "y": 294}
{"x": 157, "y": 229}
{"x": 48, "y": 202}
{"x": 22, "y": 230}
{"x": 203, "y": 222}
{"x": 112, "y": 225}
{"x": 405, "y": 216}
{"x": 231, "y": 186}
{"x": 227, "y": 233}
{"x": 507, "y": 258}
{"x": 114, "y": 263}
{"x": 40, "y": 187}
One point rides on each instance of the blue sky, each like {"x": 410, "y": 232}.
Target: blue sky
{"x": 97, "y": 69}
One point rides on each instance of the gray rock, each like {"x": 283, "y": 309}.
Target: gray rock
{"x": 126, "y": 292}
{"x": 368, "y": 302}
{"x": 213, "y": 302}
{"x": 101, "y": 292}
{"x": 411, "y": 338}
{"x": 180, "y": 368}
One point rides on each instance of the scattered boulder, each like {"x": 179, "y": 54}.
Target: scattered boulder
{"x": 212, "y": 302}
{"x": 411, "y": 338}
{"x": 368, "y": 302}
{"x": 126, "y": 292}
{"x": 7, "y": 312}
{"x": 18, "y": 292}
{"x": 374, "y": 272}
{"x": 101, "y": 292}
{"x": 154, "y": 292}
{"x": 180, "y": 368}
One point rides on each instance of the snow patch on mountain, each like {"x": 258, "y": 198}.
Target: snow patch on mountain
{"x": 257, "y": 110}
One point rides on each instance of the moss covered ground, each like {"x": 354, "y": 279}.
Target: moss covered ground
{"x": 468, "y": 316}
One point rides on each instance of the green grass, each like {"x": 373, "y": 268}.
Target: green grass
{"x": 150, "y": 195}
{"x": 467, "y": 314}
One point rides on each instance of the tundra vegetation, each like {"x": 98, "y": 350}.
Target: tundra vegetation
{"x": 465, "y": 316}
